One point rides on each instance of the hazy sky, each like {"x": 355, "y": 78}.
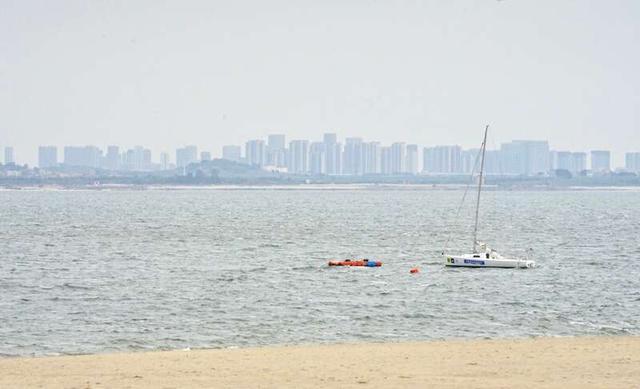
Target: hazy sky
{"x": 167, "y": 73}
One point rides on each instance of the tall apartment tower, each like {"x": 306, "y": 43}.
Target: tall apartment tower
{"x": 333, "y": 154}
{"x": 446, "y": 160}
{"x": 186, "y": 156}
{"x": 255, "y": 152}
{"x": 9, "y": 155}
{"x": 352, "y": 157}
{"x": 317, "y": 158}
{"x": 232, "y": 153}
{"x": 578, "y": 162}
{"x": 398, "y": 158}
{"x": 113, "y": 159}
{"x": 205, "y": 156}
{"x": 386, "y": 161}
{"x": 468, "y": 160}
{"x": 164, "y": 161}
{"x": 276, "y": 151}
{"x": 371, "y": 158}
{"x": 632, "y": 161}
{"x": 601, "y": 160}
{"x": 560, "y": 160}
{"x": 298, "y": 157}
{"x": 412, "y": 159}
{"x": 47, "y": 157}
{"x": 525, "y": 157}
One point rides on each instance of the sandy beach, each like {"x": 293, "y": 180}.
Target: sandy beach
{"x": 584, "y": 362}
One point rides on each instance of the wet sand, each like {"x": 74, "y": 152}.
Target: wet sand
{"x": 583, "y": 362}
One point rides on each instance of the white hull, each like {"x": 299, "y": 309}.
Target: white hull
{"x": 482, "y": 261}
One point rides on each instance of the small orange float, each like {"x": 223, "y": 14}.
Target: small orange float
{"x": 414, "y": 270}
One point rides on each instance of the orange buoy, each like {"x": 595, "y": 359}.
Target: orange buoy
{"x": 414, "y": 270}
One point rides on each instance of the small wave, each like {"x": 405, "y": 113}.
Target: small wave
{"x": 56, "y": 298}
{"x": 611, "y": 330}
{"x": 230, "y": 278}
{"x": 419, "y": 315}
{"x": 270, "y": 245}
{"x": 68, "y": 285}
{"x": 307, "y": 267}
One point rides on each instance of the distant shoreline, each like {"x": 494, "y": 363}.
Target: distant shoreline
{"x": 580, "y": 362}
{"x": 329, "y": 187}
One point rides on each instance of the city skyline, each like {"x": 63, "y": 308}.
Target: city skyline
{"x": 335, "y": 155}
{"x": 423, "y": 72}
{"x": 30, "y": 156}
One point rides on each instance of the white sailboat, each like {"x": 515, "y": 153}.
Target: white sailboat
{"x": 482, "y": 255}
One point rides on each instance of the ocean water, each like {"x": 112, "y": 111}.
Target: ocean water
{"x": 122, "y": 270}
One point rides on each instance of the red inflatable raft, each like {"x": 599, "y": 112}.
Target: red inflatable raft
{"x": 356, "y": 262}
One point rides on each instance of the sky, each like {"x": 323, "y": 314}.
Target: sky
{"x": 164, "y": 74}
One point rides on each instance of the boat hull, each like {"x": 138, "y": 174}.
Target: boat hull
{"x": 479, "y": 262}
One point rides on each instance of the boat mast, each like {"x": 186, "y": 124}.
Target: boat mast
{"x": 475, "y": 228}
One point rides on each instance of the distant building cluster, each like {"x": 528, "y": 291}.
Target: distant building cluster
{"x": 353, "y": 157}
{"x": 327, "y": 157}
{"x": 136, "y": 159}
{"x": 358, "y": 157}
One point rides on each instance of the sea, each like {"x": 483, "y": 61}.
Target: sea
{"x": 97, "y": 271}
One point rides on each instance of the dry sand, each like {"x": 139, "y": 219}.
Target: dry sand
{"x": 599, "y": 362}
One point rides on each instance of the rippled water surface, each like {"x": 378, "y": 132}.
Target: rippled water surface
{"x": 101, "y": 271}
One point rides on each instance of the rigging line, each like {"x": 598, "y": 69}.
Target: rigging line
{"x": 464, "y": 196}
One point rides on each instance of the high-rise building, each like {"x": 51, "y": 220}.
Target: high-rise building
{"x": 492, "y": 162}
{"x": 469, "y": 159}
{"x": 385, "y": 161}
{"x": 600, "y": 160}
{"x": 9, "y": 155}
{"x": 255, "y": 152}
{"x": 147, "y": 164}
{"x": 113, "y": 159}
{"x": 205, "y": 156}
{"x": 444, "y": 159}
{"x": 138, "y": 159}
{"x": 333, "y": 154}
{"x": 317, "y": 162}
{"x": 398, "y": 158}
{"x": 352, "y": 157}
{"x": 86, "y": 156}
{"x": 412, "y": 159}
{"x": 561, "y": 160}
{"x": 186, "y": 155}
{"x": 164, "y": 161}
{"x": 371, "y": 158}
{"x": 232, "y": 153}
{"x": 276, "y": 151}
{"x": 47, "y": 157}
{"x": 632, "y": 162}
{"x": 128, "y": 160}
{"x": 578, "y": 162}
{"x": 298, "y": 157}
{"x": 525, "y": 157}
